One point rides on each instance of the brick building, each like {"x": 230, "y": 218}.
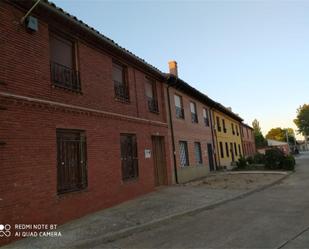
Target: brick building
{"x": 248, "y": 140}
{"x": 190, "y": 128}
{"x": 83, "y": 121}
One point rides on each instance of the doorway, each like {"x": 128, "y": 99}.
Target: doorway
{"x": 210, "y": 157}
{"x": 158, "y": 151}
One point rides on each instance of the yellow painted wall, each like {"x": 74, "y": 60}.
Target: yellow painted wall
{"x": 226, "y": 137}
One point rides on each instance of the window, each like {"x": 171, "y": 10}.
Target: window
{"x": 218, "y": 124}
{"x": 129, "y": 159}
{"x": 206, "y": 117}
{"x": 235, "y": 149}
{"x": 179, "y": 107}
{"x": 227, "y": 149}
{"x": 71, "y": 160}
{"x": 62, "y": 63}
{"x": 120, "y": 82}
{"x": 247, "y": 133}
{"x": 237, "y": 132}
{"x": 151, "y": 95}
{"x": 223, "y": 123}
{"x": 198, "y": 153}
{"x": 183, "y": 152}
{"x": 193, "y": 112}
{"x": 221, "y": 150}
{"x": 233, "y": 131}
{"x": 239, "y": 150}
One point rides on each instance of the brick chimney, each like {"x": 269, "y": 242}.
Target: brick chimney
{"x": 173, "y": 68}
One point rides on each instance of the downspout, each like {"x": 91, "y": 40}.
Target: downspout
{"x": 217, "y": 157}
{"x": 172, "y": 132}
{"x": 213, "y": 137}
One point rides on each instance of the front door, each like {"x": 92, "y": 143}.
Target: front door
{"x": 210, "y": 157}
{"x": 158, "y": 152}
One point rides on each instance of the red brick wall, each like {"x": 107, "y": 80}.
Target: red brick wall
{"x": 190, "y": 132}
{"x": 248, "y": 141}
{"x": 28, "y": 186}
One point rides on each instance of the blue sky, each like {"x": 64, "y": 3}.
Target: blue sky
{"x": 250, "y": 55}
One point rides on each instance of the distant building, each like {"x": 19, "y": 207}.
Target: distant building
{"x": 284, "y": 146}
{"x": 248, "y": 140}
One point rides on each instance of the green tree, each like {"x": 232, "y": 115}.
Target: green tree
{"x": 259, "y": 138}
{"x": 302, "y": 119}
{"x": 279, "y": 134}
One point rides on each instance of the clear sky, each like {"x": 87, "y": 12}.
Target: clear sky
{"x": 250, "y": 55}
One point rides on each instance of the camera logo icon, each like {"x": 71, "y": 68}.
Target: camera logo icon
{"x": 5, "y": 230}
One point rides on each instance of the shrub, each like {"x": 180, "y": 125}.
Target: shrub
{"x": 241, "y": 163}
{"x": 288, "y": 163}
{"x": 250, "y": 160}
{"x": 274, "y": 158}
{"x": 259, "y": 158}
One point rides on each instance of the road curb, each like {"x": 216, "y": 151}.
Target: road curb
{"x": 147, "y": 226}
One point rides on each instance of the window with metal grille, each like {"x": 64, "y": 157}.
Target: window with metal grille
{"x": 223, "y": 124}
{"x": 198, "y": 153}
{"x": 62, "y": 63}
{"x": 235, "y": 149}
{"x": 227, "y": 149}
{"x": 221, "y": 150}
{"x": 179, "y": 107}
{"x": 151, "y": 95}
{"x": 193, "y": 112}
{"x": 206, "y": 117}
{"x": 129, "y": 158}
{"x": 183, "y": 152}
{"x": 71, "y": 160}
{"x": 218, "y": 124}
{"x": 233, "y": 131}
{"x": 120, "y": 82}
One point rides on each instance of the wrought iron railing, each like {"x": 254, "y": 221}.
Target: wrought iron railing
{"x": 180, "y": 112}
{"x": 64, "y": 76}
{"x": 121, "y": 91}
{"x": 194, "y": 117}
{"x": 206, "y": 121}
{"x": 153, "y": 105}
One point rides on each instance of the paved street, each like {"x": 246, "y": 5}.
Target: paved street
{"x": 277, "y": 217}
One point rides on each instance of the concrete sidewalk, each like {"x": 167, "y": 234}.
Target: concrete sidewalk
{"x": 139, "y": 214}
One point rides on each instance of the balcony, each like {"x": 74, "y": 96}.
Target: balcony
{"x": 206, "y": 122}
{"x": 194, "y": 117}
{"x": 121, "y": 91}
{"x": 152, "y": 105}
{"x": 180, "y": 112}
{"x": 65, "y": 77}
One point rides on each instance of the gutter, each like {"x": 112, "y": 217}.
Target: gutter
{"x": 213, "y": 138}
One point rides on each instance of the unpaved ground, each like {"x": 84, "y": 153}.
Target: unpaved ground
{"x": 236, "y": 181}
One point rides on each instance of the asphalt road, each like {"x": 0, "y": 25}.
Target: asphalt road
{"x": 277, "y": 217}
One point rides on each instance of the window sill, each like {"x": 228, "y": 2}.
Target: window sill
{"x": 67, "y": 89}
{"x": 130, "y": 181}
{"x": 69, "y": 193}
{"x": 123, "y": 101}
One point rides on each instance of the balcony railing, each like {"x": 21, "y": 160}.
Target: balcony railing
{"x": 65, "y": 77}
{"x": 194, "y": 117}
{"x": 206, "y": 121}
{"x": 121, "y": 91}
{"x": 152, "y": 105}
{"x": 180, "y": 112}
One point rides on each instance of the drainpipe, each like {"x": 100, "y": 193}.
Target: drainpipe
{"x": 217, "y": 157}
{"x": 172, "y": 132}
{"x": 213, "y": 137}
